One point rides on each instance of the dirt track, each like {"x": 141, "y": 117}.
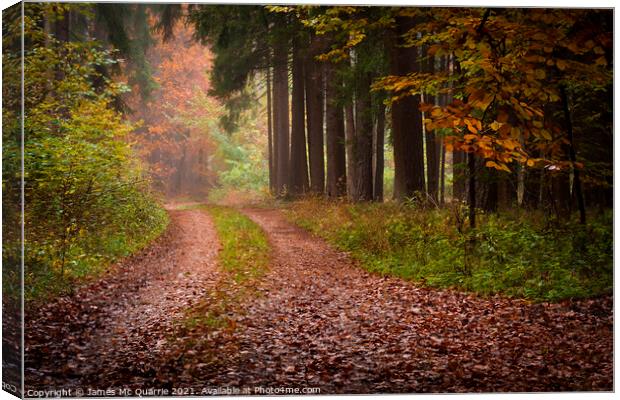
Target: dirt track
{"x": 111, "y": 333}
{"x": 319, "y": 322}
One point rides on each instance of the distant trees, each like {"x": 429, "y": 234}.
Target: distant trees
{"x": 86, "y": 198}
{"x": 481, "y": 103}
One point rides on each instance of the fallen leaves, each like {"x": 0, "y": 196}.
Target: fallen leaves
{"x": 319, "y": 321}
{"x": 116, "y": 330}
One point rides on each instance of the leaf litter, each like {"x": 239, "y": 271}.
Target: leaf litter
{"x": 316, "y": 321}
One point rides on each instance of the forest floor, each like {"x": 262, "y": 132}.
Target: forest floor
{"x": 317, "y": 321}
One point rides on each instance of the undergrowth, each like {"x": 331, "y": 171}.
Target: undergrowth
{"x": 89, "y": 255}
{"x": 519, "y": 255}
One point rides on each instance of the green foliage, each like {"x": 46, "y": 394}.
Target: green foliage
{"x": 516, "y": 255}
{"x": 238, "y": 37}
{"x": 246, "y": 166}
{"x": 87, "y": 201}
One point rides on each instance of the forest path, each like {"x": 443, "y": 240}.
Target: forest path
{"x": 324, "y": 323}
{"x": 113, "y": 332}
{"x": 317, "y": 321}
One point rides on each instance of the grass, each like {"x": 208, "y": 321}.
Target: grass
{"x": 520, "y": 255}
{"x": 243, "y": 260}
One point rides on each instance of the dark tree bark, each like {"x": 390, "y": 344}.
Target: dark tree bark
{"x": 573, "y": 156}
{"x": 407, "y": 134}
{"x": 442, "y": 174}
{"x": 459, "y": 172}
{"x": 270, "y": 152}
{"x": 432, "y": 147}
{"x": 532, "y": 188}
{"x": 506, "y": 190}
{"x": 492, "y": 190}
{"x": 281, "y": 118}
{"x": 362, "y": 142}
{"x": 299, "y": 162}
{"x": 349, "y": 140}
{"x": 378, "y": 156}
{"x": 443, "y": 100}
{"x": 314, "y": 112}
{"x": 471, "y": 174}
{"x": 336, "y": 151}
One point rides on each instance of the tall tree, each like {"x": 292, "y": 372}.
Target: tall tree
{"x": 378, "y": 153}
{"x": 281, "y": 116}
{"x": 314, "y": 113}
{"x": 431, "y": 140}
{"x": 299, "y": 161}
{"x": 407, "y": 135}
{"x": 362, "y": 189}
{"x": 335, "y": 132}
{"x": 349, "y": 116}
{"x": 270, "y": 141}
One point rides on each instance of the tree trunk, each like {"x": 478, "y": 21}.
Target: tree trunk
{"x": 299, "y": 162}
{"x": 314, "y": 112}
{"x": 458, "y": 175}
{"x": 573, "y": 156}
{"x": 432, "y": 147}
{"x": 336, "y": 151}
{"x": 378, "y": 156}
{"x": 362, "y": 143}
{"x": 270, "y": 152}
{"x": 407, "y": 134}
{"x": 349, "y": 140}
{"x": 281, "y": 118}
{"x": 471, "y": 172}
{"x": 492, "y": 190}
{"x": 442, "y": 174}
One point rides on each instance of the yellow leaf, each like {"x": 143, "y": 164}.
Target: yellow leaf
{"x": 601, "y": 61}
{"x": 495, "y": 125}
{"x": 561, "y": 64}
{"x": 540, "y": 74}
{"x": 436, "y": 112}
{"x": 470, "y": 126}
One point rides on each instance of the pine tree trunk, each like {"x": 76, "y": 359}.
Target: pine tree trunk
{"x": 407, "y": 133}
{"x": 299, "y": 162}
{"x": 432, "y": 147}
{"x": 362, "y": 143}
{"x": 442, "y": 174}
{"x": 573, "y": 156}
{"x": 336, "y": 151}
{"x": 270, "y": 152}
{"x": 314, "y": 112}
{"x": 349, "y": 140}
{"x": 281, "y": 118}
{"x": 378, "y": 156}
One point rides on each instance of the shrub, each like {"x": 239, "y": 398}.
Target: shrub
{"x": 515, "y": 254}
